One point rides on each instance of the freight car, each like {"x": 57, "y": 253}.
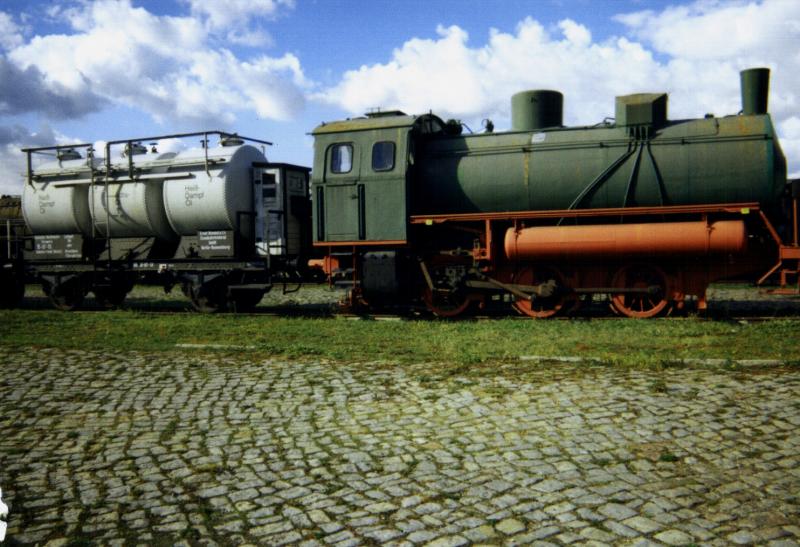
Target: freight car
{"x": 646, "y": 210}
{"x": 219, "y": 220}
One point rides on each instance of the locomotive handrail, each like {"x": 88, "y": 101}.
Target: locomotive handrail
{"x": 152, "y": 176}
{"x": 609, "y": 143}
{"x": 743, "y": 208}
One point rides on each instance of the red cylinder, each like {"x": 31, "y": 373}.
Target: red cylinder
{"x": 625, "y": 240}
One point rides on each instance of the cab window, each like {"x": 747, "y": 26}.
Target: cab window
{"x": 341, "y": 158}
{"x": 383, "y": 156}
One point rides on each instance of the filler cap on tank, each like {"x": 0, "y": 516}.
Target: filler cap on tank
{"x": 134, "y": 149}
{"x": 231, "y": 140}
{"x": 65, "y": 154}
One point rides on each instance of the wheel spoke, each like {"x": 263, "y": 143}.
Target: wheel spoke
{"x": 541, "y": 307}
{"x": 640, "y": 305}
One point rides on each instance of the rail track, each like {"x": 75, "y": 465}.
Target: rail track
{"x": 726, "y": 303}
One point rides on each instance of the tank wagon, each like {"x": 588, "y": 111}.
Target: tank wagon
{"x": 646, "y": 210}
{"x": 218, "y": 219}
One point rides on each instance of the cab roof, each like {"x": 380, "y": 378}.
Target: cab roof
{"x": 428, "y": 123}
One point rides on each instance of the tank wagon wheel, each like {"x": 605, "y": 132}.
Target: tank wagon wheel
{"x": 543, "y": 307}
{"x": 245, "y": 301}
{"x": 113, "y": 294}
{"x": 208, "y": 298}
{"x": 65, "y": 296}
{"x": 110, "y": 297}
{"x": 641, "y": 305}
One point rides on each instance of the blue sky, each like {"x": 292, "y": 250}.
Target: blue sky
{"x": 273, "y": 69}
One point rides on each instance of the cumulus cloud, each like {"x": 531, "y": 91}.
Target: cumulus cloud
{"x": 233, "y": 18}
{"x": 693, "y": 52}
{"x": 27, "y": 90}
{"x": 231, "y": 13}
{"x": 10, "y": 32}
{"x": 455, "y": 79}
{"x": 12, "y": 161}
{"x": 162, "y": 65}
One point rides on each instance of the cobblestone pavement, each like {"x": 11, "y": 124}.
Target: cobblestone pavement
{"x": 162, "y": 448}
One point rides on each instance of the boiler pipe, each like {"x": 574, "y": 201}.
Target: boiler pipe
{"x": 696, "y": 238}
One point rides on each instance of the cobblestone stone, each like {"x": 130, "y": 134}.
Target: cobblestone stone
{"x": 214, "y": 449}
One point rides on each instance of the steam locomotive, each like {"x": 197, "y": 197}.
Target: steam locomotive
{"x": 644, "y": 209}
{"x": 409, "y": 211}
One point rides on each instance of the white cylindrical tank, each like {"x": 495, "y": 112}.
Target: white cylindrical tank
{"x": 170, "y": 194}
{"x": 51, "y": 205}
{"x": 135, "y": 209}
{"x": 212, "y": 201}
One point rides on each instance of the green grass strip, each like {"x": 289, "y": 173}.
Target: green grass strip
{"x": 459, "y": 342}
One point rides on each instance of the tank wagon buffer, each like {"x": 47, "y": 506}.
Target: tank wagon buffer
{"x": 646, "y": 210}
{"x": 217, "y": 219}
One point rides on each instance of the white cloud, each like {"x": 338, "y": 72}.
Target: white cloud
{"x": 165, "y": 66}
{"x": 693, "y": 52}
{"x": 232, "y": 19}
{"x": 454, "y": 79}
{"x": 223, "y": 14}
{"x": 789, "y": 130}
{"x": 702, "y": 35}
{"x": 10, "y": 33}
{"x": 12, "y": 161}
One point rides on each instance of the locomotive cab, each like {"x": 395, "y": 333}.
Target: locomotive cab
{"x": 361, "y": 178}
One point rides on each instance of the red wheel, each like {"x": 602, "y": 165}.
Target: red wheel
{"x": 449, "y": 297}
{"x": 445, "y": 305}
{"x": 541, "y": 307}
{"x": 652, "y": 301}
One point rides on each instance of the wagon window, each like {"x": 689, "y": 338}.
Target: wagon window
{"x": 383, "y": 156}
{"x": 341, "y": 158}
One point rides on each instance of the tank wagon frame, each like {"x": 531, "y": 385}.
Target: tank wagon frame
{"x": 224, "y": 224}
{"x": 645, "y": 210}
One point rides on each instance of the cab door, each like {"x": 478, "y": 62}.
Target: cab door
{"x": 383, "y": 180}
{"x": 344, "y": 193}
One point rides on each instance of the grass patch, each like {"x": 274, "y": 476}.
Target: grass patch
{"x": 667, "y": 457}
{"x": 464, "y": 344}
{"x": 169, "y": 431}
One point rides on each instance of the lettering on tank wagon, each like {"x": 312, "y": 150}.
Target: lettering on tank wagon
{"x": 215, "y": 240}
{"x": 64, "y": 245}
{"x": 191, "y": 193}
{"x": 118, "y": 197}
{"x": 45, "y": 202}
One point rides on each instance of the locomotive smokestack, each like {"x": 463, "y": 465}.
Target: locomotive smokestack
{"x": 755, "y": 91}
